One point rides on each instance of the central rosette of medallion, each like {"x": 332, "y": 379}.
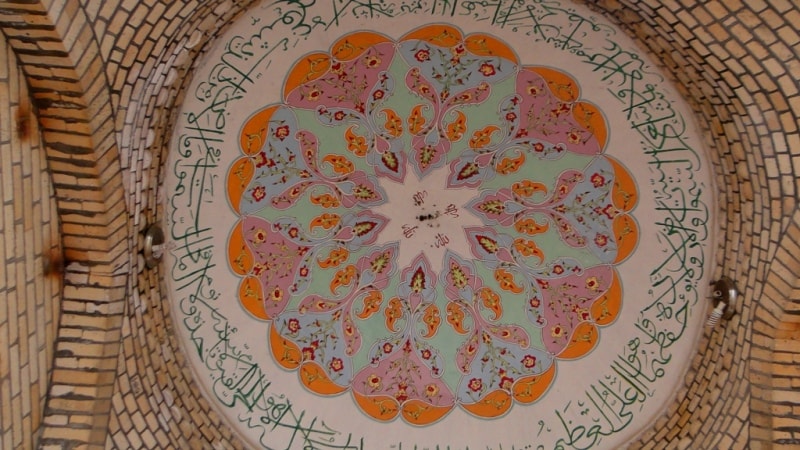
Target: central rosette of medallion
{"x": 427, "y": 217}
{"x": 426, "y": 222}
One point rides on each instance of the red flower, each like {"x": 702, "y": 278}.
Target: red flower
{"x": 387, "y": 347}
{"x": 511, "y": 116}
{"x": 423, "y": 55}
{"x": 561, "y": 109}
{"x": 487, "y": 69}
{"x": 601, "y": 240}
{"x": 281, "y": 132}
{"x": 557, "y": 331}
{"x": 293, "y": 325}
{"x": 401, "y": 394}
{"x": 304, "y": 271}
{"x": 293, "y": 232}
{"x": 528, "y": 361}
{"x": 598, "y": 180}
{"x": 431, "y": 390}
{"x": 534, "y": 302}
{"x": 426, "y": 354}
{"x": 314, "y": 94}
{"x": 258, "y": 193}
{"x": 610, "y": 211}
{"x": 338, "y": 115}
{"x": 336, "y": 365}
{"x": 538, "y": 147}
{"x": 372, "y": 61}
{"x": 475, "y": 384}
{"x": 374, "y": 381}
{"x": 260, "y": 236}
{"x": 377, "y": 95}
{"x": 558, "y": 269}
{"x": 506, "y": 382}
{"x": 308, "y": 353}
{"x": 262, "y": 160}
{"x": 258, "y": 269}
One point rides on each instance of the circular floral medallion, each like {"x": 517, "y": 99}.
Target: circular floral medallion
{"x": 428, "y": 223}
{"x": 389, "y": 221}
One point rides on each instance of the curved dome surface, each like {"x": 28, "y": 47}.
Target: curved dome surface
{"x": 379, "y": 236}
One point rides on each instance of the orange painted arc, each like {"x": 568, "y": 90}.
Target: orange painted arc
{"x": 605, "y": 309}
{"x": 239, "y": 176}
{"x": 382, "y": 408}
{"x": 251, "y": 298}
{"x": 308, "y": 68}
{"x": 485, "y": 45}
{"x": 583, "y": 340}
{"x": 285, "y": 353}
{"x": 441, "y": 35}
{"x": 528, "y": 389}
{"x": 254, "y": 132}
{"x": 495, "y": 404}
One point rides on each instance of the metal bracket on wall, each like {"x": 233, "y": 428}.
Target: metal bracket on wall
{"x": 724, "y": 295}
{"x": 153, "y": 245}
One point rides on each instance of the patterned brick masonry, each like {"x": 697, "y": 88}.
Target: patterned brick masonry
{"x": 103, "y": 79}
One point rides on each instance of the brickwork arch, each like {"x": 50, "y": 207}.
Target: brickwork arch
{"x": 59, "y": 56}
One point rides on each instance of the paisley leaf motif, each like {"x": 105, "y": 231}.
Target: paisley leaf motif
{"x": 481, "y": 138}
{"x": 455, "y": 317}
{"x": 466, "y": 353}
{"x": 506, "y": 281}
{"x": 372, "y": 303}
{"x": 416, "y": 121}
{"x": 432, "y": 320}
{"x": 341, "y": 165}
{"x": 491, "y": 301}
{"x": 335, "y": 257}
{"x": 393, "y": 124}
{"x": 343, "y": 277}
{"x": 393, "y": 313}
{"x": 457, "y": 128}
{"x": 355, "y": 143}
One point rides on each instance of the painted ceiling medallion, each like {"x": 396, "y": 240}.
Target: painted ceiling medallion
{"x": 387, "y": 221}
{"x": 429, "y": 223}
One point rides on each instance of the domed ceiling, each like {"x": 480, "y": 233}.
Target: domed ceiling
{"x": 386, "y": 227}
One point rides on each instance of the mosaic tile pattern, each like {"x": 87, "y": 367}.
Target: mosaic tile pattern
{"x": 734, "y": 61}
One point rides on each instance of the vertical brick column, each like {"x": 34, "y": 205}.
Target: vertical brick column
{"x": 57, "y": 52}
{"x": 29, "y": 292}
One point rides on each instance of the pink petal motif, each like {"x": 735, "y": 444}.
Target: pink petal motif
{"x": 279, "y": 281}
{"x": 547, "y": 118}
{"x": 361, "y": 229}
{"x": 418, "y": 282}
{"x": 346, "y": 83}
{"x": 496, "y": 366}
{"x": 404, "y": 376}
{"x": 493, "y": 207}
{"x": 567, "y": 301}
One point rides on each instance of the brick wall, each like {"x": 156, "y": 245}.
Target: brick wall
{"x": 127, "y": 63}
{"x": 29, "y": 262}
